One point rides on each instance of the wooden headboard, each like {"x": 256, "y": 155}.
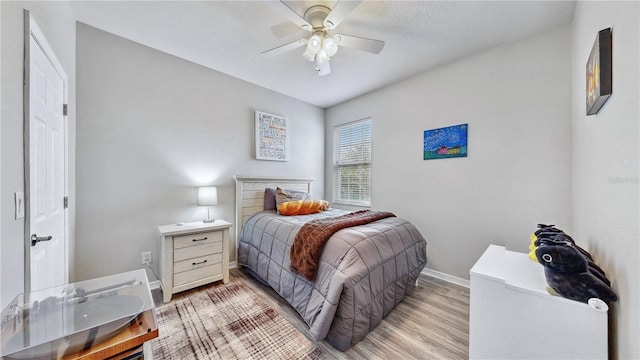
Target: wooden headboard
{"x": 250, "y": 196}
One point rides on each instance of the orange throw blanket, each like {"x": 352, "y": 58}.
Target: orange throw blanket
{"x": 310, "y": 239}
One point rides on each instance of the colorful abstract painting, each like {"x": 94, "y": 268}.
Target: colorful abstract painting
{"x": 447, "y": 142}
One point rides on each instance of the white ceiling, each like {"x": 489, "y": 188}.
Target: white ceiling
{"x": 228, "y": 36}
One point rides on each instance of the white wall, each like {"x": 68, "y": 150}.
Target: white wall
{"x": 57, "y": 22}
{"x": 605, "y": 163}
{"x": 151, "y": 128}
{"x": 516, "y": 100}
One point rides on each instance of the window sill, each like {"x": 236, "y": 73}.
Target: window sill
{"x": 359, "y": 204}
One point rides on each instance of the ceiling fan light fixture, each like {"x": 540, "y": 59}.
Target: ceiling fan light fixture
{"x": 309, "y": 54}
{"x": 323, "y": 68}
{"x": 314, "y": 42}
{"x": 313, "y": 45}
{"x": 330, "y": 46}
{"x": 322, "y": 56}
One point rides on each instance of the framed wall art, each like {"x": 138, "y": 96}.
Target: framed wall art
{"x": 446, "y": 142}
{"x": 599, "y": 67}
{"x": 272, "y": 137}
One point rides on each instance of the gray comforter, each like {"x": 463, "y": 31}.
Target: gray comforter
{"x": 364, "y": 271}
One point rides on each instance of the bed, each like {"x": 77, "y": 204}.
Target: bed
{"x": 363, "y": 273}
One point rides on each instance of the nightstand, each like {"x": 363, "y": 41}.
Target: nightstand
{"x": 193, "y": 254}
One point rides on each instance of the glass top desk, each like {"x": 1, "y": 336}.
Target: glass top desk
{"x": 91, "y": 319}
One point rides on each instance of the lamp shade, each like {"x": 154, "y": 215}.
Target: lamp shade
{"x": 315, "y": 41}
{"x": 330, "y": 46}
{"x": 309, "y": 54}
{"x": 322, "y": 56}
{"x": 207, "y": 196}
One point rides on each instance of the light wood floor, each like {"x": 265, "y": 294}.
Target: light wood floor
{"x": 432, "y": 322}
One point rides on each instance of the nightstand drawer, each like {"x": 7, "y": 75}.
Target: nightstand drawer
{"x": 197, "y": 274}
{"x": 196, "y": 239}
{"x": 197, "y": 263}
{"x": 197, "y": 251}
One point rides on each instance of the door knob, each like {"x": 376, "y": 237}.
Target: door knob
{"x": 36, "y": 239}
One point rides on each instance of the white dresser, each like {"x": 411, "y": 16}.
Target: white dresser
{"x": 512, "y": 316}
{"x": 193, "y": 254}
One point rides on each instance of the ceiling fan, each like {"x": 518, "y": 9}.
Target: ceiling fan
{"x": 321, "y": 46}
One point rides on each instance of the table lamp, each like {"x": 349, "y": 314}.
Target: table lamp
{"x": 207, "y": 196}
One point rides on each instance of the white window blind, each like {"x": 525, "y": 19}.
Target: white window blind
{"x": 352, "y": 163}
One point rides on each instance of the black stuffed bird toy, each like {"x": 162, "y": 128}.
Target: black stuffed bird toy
{"x": 567, "y": 272}
{"x": 569, "y": 269}
{"x": 592, "y": 267}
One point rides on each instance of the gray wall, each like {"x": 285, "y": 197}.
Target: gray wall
{"x": 516, "y": 100}
{"x": 57, "y": 22}
{"x": 605, "y": 163}
{"x": 151, "y": 128}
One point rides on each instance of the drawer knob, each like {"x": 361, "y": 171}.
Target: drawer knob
{"x": 198, "y": 263}
{"x": 203, "y": 239}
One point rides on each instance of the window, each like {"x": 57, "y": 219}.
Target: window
{"x": 352, "y": 163}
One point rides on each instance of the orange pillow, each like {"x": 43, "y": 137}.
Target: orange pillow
{"x": 302, "y": 207}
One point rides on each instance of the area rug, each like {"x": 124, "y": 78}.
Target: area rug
{"x": 227, "y": 322}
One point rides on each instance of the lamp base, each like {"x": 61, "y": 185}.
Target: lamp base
{"x": 208, "y": 220}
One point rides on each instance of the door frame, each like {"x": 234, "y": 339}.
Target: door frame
{"x": 32, "y": 30}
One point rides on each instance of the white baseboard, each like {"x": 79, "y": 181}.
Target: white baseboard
{"x": 233, "y": 264}
{"x": 446, "y": 277}
{"x": 154, "y": 284}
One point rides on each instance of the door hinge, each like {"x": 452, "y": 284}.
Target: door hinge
{"x": 66, "y": 202}
{"x": 64, "y": 109}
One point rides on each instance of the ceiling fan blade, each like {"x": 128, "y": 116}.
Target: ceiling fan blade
{"x": 286, "y": 28}
{"x": 284, "y": 48}
{"x": 340, "y": 10}
{"x": 323, "y": 68}
{"x": 287, "y": 12}
{"x": 364, "y": 44}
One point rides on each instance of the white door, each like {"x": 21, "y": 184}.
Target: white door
{"x": 46, "y": 169}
